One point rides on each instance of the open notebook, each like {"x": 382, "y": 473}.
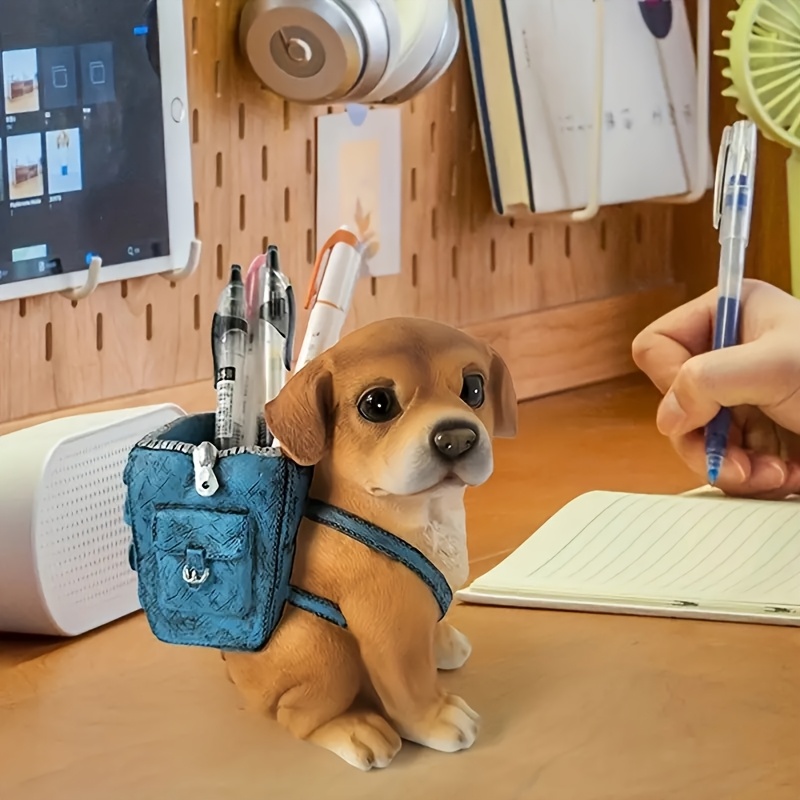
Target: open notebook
{"x": 694, "y": 555}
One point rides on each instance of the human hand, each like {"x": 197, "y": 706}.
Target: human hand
{"x": 758, "y": 379}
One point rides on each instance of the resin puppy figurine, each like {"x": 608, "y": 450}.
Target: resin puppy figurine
{"x": 397, "y": 419}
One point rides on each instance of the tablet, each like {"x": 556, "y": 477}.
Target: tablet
{"x": 95, "y": 148}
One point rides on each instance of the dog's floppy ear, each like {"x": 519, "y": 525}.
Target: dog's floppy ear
{"x": 504, "y": 398}
{"x": 300, "y": 416}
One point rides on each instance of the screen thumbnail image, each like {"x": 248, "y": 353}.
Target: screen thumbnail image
{"x": 64, "y": 169}
{"x": 20, "y": 81}
{"x": 25, "y": 176}
{"x": 59, "y": 77}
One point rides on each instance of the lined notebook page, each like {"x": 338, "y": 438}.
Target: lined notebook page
{"x": 712, "y": 550}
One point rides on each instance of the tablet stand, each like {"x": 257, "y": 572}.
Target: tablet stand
{"x": 177, "y": 275}
{"x": 96, "y": 264}
{"x": 92, "y": 279}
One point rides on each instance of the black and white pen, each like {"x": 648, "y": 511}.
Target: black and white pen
{"x": 229, "y": 343}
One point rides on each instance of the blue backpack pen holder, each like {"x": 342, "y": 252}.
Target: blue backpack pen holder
{"x": 214, "y": 566}
{"x": 212, "y": 571}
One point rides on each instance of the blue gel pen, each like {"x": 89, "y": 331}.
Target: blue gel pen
{"x": 733, "y": 208}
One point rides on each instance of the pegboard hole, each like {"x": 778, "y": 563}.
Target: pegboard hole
{"x": 99, "y": 333}
{"x": 309, "y": 246}
{"x": 74, "y": 303}
{"x": 264, "y": 163}
{"x": 434, "y": 223}
{"x": 602, "y": 234}
{"x": 453, "y": 95}
{"x": 219, "y": 170}
{"x": 453, "y": 179}
{"x": 23, "y": 307}
{"x": 219, "y": 262}
{"x": 194, "y": 36}
{"x": 195, "y": 126}
{"x": 454, "y": 262}
{"x": 48, "y": 341}
{"x": 242, "y": 120}
{"x": 242, "y": 212}
{"x": 492, "y": 256}
{"x": 148, "y": 322}
{"x": 414, "y": 270}
{"x": 287, "y": 115}
{"x": 197, "y": 219}
{"x": 433, "y": 137}
{"x": 197, "y": 312}
{"x": 264, "y": 243}
{"x": 531, "y": 249}
{"x": 309, "y": 157}
{"x": 473, "y": 137}
{"x": 123, "y": 289}
{"x": 412, "y": 106}
{"x": 567, "y": 241}
{"x": 413, "y": 183}
{"x": 373, "y": 286}
{"x": 638, "y": 228}
{"x": 287, "y": 208}
{"x": 218, "y": 78}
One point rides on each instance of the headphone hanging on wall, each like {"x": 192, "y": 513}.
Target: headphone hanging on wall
{"x": 355, "y": 51}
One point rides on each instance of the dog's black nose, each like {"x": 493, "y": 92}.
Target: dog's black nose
{"x": 453, "y": 440}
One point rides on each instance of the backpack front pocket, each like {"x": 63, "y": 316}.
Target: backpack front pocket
{"x": 205, "y": 562}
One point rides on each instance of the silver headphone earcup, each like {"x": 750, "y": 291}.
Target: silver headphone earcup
{"x": 316, "y": 51}
{"x": 439, "y": 63}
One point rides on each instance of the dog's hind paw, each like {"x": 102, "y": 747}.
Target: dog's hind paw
{"x": 451, "y": 647}
{"x": 363, "y": 739}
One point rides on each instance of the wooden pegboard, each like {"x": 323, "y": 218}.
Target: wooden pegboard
{"x": 254, "y": 175}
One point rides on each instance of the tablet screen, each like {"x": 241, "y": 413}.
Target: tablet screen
{"x": 82, "y": 166}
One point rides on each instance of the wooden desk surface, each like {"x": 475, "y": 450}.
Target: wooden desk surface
{"x": 574, "y": 706}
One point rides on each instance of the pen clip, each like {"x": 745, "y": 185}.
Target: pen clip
{"x": 719, "y": 175}
{"x": 253, "y": 289}
{"x": 340, "y": 236}
{"x": 288, "y": 345}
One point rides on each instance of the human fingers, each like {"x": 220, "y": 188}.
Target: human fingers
{"x": 744, "y": 473}
{"x": 763, "y": 374}
{"x": 665, "y": 345}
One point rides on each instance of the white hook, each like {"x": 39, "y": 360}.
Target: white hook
{"x": 176, "y": 275}
{"x": 699, "y": 180}
{"x": 596, "y": 151}
{"x": 92, "y": 279}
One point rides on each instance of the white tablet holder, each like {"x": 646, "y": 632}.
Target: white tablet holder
{"x": 698, "y": 180}
{"x": 96, "y": 264}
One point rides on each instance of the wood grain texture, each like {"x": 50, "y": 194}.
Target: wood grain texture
{"x": 574, "y": 706}
{"x": 254, "y": 173}
{"x": 695, "y": 243}
{"x": 574, "y": 345}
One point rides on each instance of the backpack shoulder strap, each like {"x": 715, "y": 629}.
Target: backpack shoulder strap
{"x": 384, "y": 542}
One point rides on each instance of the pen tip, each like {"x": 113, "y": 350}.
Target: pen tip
{"x": 236, "y": 273}
{"x": 713, "y": 467}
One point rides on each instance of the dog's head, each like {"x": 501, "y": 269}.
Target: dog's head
{"x": 398, "y": 407}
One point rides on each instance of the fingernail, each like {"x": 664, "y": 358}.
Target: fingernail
{"x": 670, "y": 414}
{"x": 776, "y": 469}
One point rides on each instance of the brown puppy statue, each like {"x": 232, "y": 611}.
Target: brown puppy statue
{"x": 398, "y": 419}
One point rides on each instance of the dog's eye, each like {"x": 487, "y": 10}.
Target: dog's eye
{"x": 472, "y": 391}
{"x": 378, "y": 405}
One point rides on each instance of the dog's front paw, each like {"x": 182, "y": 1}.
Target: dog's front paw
{"x": 451, "y": 727}
{"x": 451, "y": 647}
{"x": 363, "y": 739}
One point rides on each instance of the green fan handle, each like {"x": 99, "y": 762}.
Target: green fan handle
{"x": 793, "y": 193}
